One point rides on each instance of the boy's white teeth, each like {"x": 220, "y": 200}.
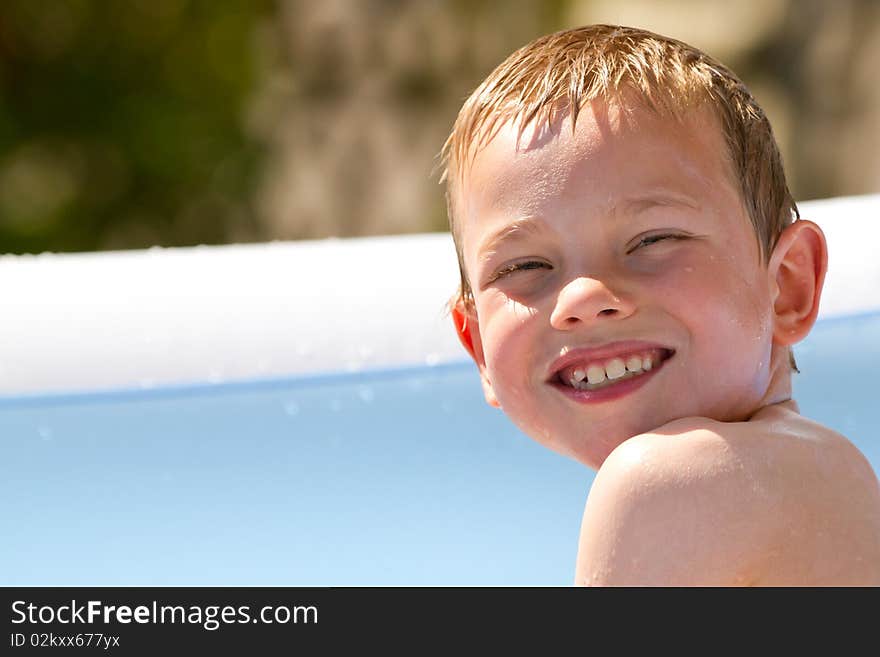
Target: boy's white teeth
{"x": 594, "y": 374}
{"x": 614, "y": 369}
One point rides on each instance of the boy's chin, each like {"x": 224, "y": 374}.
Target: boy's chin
{"x": 592, "y": 447}
{"x": 590, "y": 453}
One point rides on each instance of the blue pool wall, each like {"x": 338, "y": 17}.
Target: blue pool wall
{"x": 139, "y": 447}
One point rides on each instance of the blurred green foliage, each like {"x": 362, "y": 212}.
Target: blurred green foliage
{"x": 121, "y": 122}
{"x": 133, "y": 123}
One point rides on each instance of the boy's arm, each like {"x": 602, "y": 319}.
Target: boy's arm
{"x": 676, "y": 509}
{"x": 705, "y": 503}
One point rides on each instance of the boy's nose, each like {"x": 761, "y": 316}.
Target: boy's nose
{"x": 584, "y": 300}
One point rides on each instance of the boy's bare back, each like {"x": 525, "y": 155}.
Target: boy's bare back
{"x": 778, "y": 500}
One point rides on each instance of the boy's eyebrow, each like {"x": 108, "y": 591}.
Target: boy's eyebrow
{"x": 665, "y": 198}
{"x": 520, "y": 229}
{"x": 527, "y": 227}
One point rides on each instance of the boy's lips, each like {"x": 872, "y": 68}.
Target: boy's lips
{"x": 593, "y": 374}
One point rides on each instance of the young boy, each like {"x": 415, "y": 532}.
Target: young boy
{"x": 633, "y": 274}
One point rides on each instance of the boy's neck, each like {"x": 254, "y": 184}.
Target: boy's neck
{"x": 779, "y": 387}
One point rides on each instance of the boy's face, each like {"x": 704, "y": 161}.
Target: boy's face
{"x": 594, "y": 252}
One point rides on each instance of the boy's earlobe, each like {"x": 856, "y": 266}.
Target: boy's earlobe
{"x": 467, "y": 329}
{"x": 798, "y": 265}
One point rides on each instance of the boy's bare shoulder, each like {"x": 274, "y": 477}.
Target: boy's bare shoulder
{"x": 777, "y": 500}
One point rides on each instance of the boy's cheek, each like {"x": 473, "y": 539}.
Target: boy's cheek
{"x": 715, "y": 300}
{"x": 501, "y": 358}
{"x": 507, "y": 370}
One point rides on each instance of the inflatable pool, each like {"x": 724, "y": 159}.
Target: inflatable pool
{"x": 301, "y": 413}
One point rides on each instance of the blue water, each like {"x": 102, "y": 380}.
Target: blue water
{"x": 384, "y": 478}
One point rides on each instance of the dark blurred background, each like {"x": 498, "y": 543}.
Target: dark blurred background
{"x": 183, "y": 122}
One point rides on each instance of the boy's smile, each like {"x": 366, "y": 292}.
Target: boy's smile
{"x": 596, "y": 375}
{"x": 617, "y": 279}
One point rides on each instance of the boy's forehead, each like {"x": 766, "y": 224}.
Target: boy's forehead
{"x": 556, "y": 126}
{"x": 541, "y": 157}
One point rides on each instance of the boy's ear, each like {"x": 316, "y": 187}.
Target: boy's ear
{"x": 467, "y": 328}
{"x": 798, "y": 266}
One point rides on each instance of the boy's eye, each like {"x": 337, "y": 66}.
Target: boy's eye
{"x": 520, "y": 266}
{"x": 653, "y": 239}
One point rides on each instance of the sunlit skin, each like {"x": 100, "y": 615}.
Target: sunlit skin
{"x": 630, "y": 236}
{"x": 626, "y": 230}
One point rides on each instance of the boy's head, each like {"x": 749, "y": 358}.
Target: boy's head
{"x": 618, "y": 203}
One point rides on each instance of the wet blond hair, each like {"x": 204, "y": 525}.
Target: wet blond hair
{"x": 563, "y": 71}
